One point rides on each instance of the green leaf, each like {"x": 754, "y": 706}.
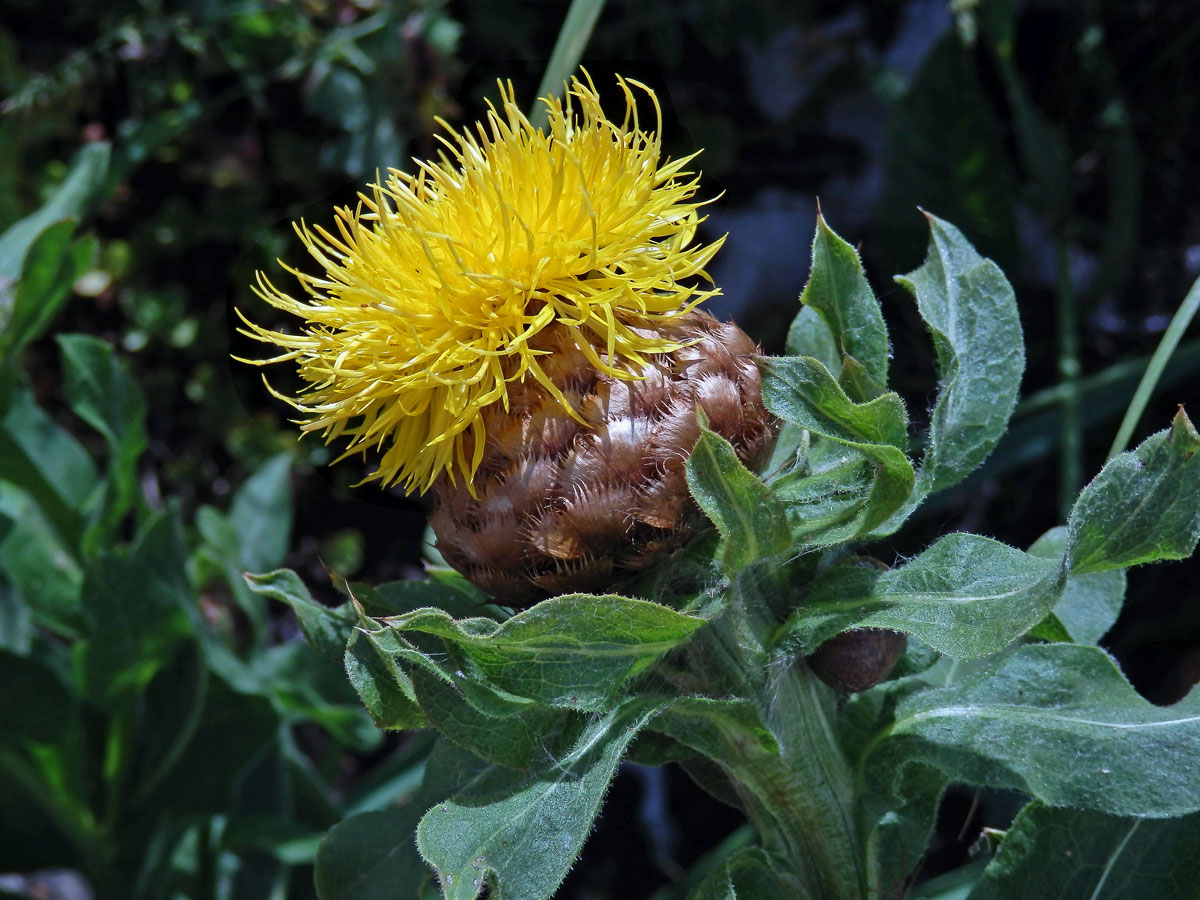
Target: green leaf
{"x": 810, "y": 336}
{"x": 966, "y": 596}
{"x": 326, "y": 629}
{"x": 261, "y": 515}
{"x": 306, "y": 687}
{"x": 829, "y": 492}
{"x": 49, "y": 271}
{"x": 232, "y": 732}
{"x": 395, "y": 598}
{"x": 370, "y": 855}
{"x": 385, "y": 688}
{"x": 136, "y": 610}
{"x": 1090, "y": 604}
{"x": 899, "y": 825}
{"x": 1060, "y": 723}
{"x": 45, "y": 461}
{"x": 1051, "y": 628}
{"x": 41, "y": 569}
{"x": 574, "y": 651}
{"x": 838, "y": 290}
{"x": 69, "y": 201}
{"x": 16, "y": 624}
{"x": 522, "y": 833}
{"x": 1076, "y": 853}
{"x": 747, "y": 874}
{"x": 1142, "y": 507}
{"x": 101, "y": 391}
{"x": 801, "y": 390}
{"x": 499, "y": 728}
{"x": 747, "y": 515}
{"x": 971, "y": 313}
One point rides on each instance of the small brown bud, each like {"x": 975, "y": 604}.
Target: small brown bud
{"x": 856, "y": 660}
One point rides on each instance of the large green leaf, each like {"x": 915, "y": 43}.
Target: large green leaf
{"x": 1060, "y": 723}
{"x": 801, "y": 390}
{"x": 69, "y": 201}
{"x": 41, "y": 569}
{"x": 1144, "y": 506}
{"x": 971, "y": 313}
{"x": 838, "y": 290}
{"x": 44, "y": 460}
{"x": 521, "y": 833}
{"x": 50, "y": 269}
{"x": 1077, "y": 853}
{"x": 101, "y": 390}
{"x": 749, "y": 518}
{"x": 136, "y": 610}
{"x": 574, "y": 651}
{"x": 372, "y": 856}
{"x": 1090, "y": 604}
{"x": 232, "y": 731}
{"x": 261, "y": 515}
{"x": 966, "y": 596}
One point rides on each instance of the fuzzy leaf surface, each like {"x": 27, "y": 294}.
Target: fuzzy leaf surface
{"x": 1060, "y": 723}
{"x": 503, "y": 729}
{"x": 801, "y": 390}
{"x": 966, "y": 596}
{"x": 573, "y": 651}
{"x": 1077, "y": 853}
{"x": 1144, "y": 506}
{"x": 384, "y": 687}
{"x": 1090, "y": 604}
{"x": 325, "y": 628}
{"x": 521, "y": 833}
{"x": 838, "y": 290}
{"x": 746, "y": 513}
{"x": 971, "y": 312}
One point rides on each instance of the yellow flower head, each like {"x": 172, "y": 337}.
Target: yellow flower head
{"x": 436, "y": 285}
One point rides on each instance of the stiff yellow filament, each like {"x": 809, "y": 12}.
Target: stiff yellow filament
{"x": 435, "y": 284}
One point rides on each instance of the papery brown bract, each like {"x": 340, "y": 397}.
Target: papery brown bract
{"x": 562, "y": 505}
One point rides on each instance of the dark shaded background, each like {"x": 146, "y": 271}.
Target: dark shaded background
{"x": 1062, "y": 138}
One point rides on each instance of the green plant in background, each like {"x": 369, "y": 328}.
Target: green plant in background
{"x": 733, "y": 657}
{"x": 154, "y": 735}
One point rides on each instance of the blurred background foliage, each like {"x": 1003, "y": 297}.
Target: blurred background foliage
{"x": 186, "y": 742}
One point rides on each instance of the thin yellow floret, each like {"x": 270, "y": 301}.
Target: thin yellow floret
{"x": 435, "y": 284}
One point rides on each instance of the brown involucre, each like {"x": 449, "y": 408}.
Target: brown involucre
{"x": 563, "y": 506}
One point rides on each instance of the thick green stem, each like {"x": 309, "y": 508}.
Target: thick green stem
{"x": 801, "y": 801}
{"x": 812, "y": 799}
